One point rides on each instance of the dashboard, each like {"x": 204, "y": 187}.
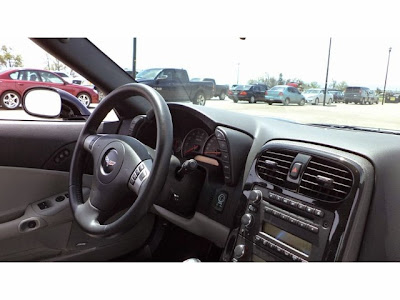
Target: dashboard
{"x": 273, "y": 190}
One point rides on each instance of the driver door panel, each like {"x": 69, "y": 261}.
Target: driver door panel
{"x": 26, "y": 231}
{"x": 34, "y": 168}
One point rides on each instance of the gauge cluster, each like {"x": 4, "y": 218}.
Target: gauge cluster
{"x": 197, "y": 142}
{"x": 220, "y": 150}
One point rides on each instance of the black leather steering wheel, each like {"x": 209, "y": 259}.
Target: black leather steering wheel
{"x": 123, "y": 167}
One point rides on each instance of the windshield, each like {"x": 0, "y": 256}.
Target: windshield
{"x": 243, "y": 87}
{"x": 278, "y": 88}
{"x": 148, "y": 74}
{"x": 312, "y": 91}
{"x": 178, "y": 72}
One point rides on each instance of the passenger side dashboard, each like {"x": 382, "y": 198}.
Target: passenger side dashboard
{"x": 359, "y": 219}
{"x": 304, "y": 203}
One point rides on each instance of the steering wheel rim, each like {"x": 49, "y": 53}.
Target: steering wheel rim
{"x": 108, "y": 181}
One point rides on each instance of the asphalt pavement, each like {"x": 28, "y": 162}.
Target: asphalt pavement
{"x": 385, "y": 116}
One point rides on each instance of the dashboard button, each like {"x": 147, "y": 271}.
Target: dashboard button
{"x": 313, "y": 228}
{"x": 293, "y": 220}
{"x": 223, "y": 145}
{"x": 273, "y": 196}
{"x": 285, "y": 200}
{"x": 285, "y": 217}
{"x": 319, "y": 213}
{"x": 220, "y": 200}
{"x": 295, "y": 171}
{"x": 310, "y": 209}
{"x": 293, "y": 203}
{"x": 268, "y": 210}
{"x": 252, "y": 208}
{"x": 225, "y": 156}
{"x": 302, "y": 206}
{"x": 302, "y": 224}
{"x": 219, "y": 135}
{"x": 226, "y": 167}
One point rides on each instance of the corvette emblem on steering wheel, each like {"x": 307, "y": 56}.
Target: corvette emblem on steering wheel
{"x": 109, "y": 162}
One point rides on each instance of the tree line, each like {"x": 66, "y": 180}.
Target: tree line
{"x": 271, "y": 81}
{"x": 8, "y": 59}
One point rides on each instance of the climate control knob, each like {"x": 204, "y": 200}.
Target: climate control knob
{"x": 247, "y": 220}
{"x": 239, "y": 251}
{"x": 255, "y": 196}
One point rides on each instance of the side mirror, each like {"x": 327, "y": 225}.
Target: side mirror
{"x": 42, "y": 102}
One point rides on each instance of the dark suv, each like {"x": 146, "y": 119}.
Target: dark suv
{"x": 356, "y": 94}
{"x": 251, "y": 93}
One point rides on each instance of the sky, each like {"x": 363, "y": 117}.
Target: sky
{"x": 356, "y": 60}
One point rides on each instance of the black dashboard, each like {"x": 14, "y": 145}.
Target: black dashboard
{"x": 272, "y": 190}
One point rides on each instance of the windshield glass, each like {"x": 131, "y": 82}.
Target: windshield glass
{"x": 148, "y": 74}
{"x": 354, "y": 70}
{"x": 312, "y": 91}
{"x": 278, "y": 88}
{"x": 243, "y": 87}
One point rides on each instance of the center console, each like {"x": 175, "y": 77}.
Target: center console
{"x": 302, "y": 204}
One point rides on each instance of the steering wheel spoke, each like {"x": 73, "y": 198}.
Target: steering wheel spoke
{"x": 90, "y": 140}
{"x": 88, "y": 217}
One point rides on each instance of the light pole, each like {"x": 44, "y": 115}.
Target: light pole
{"x": 387, "y": 69}
{"x": 327, "y": 69}
{"x": 134, "y": 59}
{"x": 237, "y": 80}
{"x": 238, "y": 67}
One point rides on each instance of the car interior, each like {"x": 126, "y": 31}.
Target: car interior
{"x": 175, "y": 182}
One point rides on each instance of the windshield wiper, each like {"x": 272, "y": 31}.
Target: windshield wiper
{"x": 358, "y": 128}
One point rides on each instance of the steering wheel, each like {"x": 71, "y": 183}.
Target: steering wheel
{"x": 123, "y": 167}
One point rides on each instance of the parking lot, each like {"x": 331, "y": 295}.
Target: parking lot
{"x": 379, "y": 116}
{"x": 376, "y": 115}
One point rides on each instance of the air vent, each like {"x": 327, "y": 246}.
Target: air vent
{"x": 326, "y": 180}
{"x": 273, "y": 165}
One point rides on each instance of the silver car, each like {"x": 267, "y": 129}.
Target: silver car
{"x": 316, "y": 96}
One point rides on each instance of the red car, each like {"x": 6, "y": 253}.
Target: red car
{"x": 14, "y": 83}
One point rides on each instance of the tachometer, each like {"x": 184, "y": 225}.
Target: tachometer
{"x": 211, "y": 147}
{"x": 194, "y": 142}
{"x": 177, "y": 145}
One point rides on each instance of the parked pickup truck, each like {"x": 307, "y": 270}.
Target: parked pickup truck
{"x": 220, "y": 90}
{"x": 174, "y": 85}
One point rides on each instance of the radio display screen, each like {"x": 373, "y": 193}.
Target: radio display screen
{"x": 287, "y": 238}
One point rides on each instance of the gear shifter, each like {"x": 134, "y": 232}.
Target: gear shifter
{"x": 187, "y": 167}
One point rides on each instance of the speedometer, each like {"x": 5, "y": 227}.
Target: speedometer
{"x": 194, "y": 142}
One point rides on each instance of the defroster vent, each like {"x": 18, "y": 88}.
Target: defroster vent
{"x": 273, "y": 165}
{"x": 326, "y": 180}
